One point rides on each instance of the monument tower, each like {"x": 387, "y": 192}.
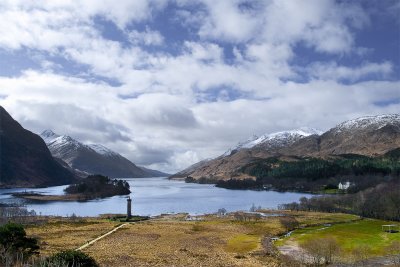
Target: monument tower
{"x": 129, "y": 208}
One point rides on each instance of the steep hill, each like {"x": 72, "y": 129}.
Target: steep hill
{"x": 25, "y": 159}
{"x": 93, "y": 158}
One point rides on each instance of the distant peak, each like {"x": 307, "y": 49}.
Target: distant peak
{"x": 48, "y": 135}
{"x": 275, "y": 139}
{"x": 362, "y": 122}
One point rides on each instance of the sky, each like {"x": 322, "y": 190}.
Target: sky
{"x": 167, "y": 83}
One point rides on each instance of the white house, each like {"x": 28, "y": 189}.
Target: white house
{"x": 344, "y": 186}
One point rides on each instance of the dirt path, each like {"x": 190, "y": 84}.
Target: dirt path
{"x": 100, "y": 237}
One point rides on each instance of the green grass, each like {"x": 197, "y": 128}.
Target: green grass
{"x": 243, "y": 243}
{"x": 332, "y": 191}
{"x": 351, "y": 235}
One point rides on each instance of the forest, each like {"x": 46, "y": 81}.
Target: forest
{"x": 315, "y": 174}
{"x": 381, "y": 202}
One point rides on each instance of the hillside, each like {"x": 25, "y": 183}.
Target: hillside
{"x": 93, "y": 158}
{"x": 25, "y": 159}
{"x": 371, "y": 136}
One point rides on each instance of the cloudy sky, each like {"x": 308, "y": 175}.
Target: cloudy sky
{"x": 170, "y": 82}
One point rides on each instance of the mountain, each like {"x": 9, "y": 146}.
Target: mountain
{"x": 189, "y": 170}
{"x": 228, "y": 164}
{"x": 154, "y": 173}
{"x": 25, "y": 159}
{"x": 367, "y": 136}
{"x": 274, "y": 140}
{"x": 93, "y": 158}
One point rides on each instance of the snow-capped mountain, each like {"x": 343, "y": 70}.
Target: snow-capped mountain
{"x": 369, "y": 136}
{"x": 48, "y": 135}
{"x": 274, "y": 140}
{"x": 102, "y": 150}
{"x": 373, "y": 122}
{"x": 25, "y": 161}
{"x": 92, "y": 158}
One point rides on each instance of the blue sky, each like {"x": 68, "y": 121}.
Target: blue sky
{"x": 170, "y": 82}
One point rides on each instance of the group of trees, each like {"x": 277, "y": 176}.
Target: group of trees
{"x": 244, "y": 216}
{"x": 290, "y": 223}
{"x": 323, "y": 251}
{"x": 16, "y": 249}
{"x": 313, "y": 174}
{"x": 239, "y": 184}
{"x": 381, "y": 202}
{"x": 98, "y": 186}
{"x": 15, "y": 213}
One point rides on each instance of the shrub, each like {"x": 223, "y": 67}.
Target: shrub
{"x": 72, "y": 258}
{"x": 14, "y": 243}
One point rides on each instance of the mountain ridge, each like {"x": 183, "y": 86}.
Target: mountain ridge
{"x": 94, "y": 158}
{"x": 369, "y": 136}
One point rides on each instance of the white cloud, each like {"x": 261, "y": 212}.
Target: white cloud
{"x": 332, "y": 70}
{"x": 147, "y": 37}
{"x": 173, "y": 129}
{"x": 173, "y": 109}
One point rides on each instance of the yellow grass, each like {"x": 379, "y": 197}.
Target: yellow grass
{"x": 172, "y": 241}
{"x": 243, "y": 243}
{"x": 61, "y": 234}
{"x": 175, "y": 243}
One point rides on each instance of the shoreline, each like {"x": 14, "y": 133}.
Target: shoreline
{"x": 41, "y": 197}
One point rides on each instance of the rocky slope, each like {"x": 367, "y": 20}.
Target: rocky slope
{"x": 25, "y": 159}
{"x": 369, "y": 136}
{"x": 93, "y": 158}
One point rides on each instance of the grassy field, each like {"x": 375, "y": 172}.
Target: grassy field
{"x": 173, "y": 241}
{"x": 182, "y": 243}
{"x": 61, "y": 234}
{"x": 365, "y": 233}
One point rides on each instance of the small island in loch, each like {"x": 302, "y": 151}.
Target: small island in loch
{"x": 92, "y": 187}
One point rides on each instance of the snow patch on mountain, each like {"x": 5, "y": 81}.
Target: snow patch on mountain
{"x": 100, "y": 149}
{"x": 376, "y": 122}
{"x": 60, "y": 142}
{"x": 48, "y": 136}
{"x": 277, "y": 139}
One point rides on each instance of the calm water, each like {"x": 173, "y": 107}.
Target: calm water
{"x": 153, "y": 196}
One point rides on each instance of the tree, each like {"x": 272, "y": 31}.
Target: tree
{"x": 322, "y": 250}
{"x": 221, "y": 212}
{"x": 14, "y": 243}
{"x": 290, "y": 223}
{"x": 253, "y": 208}
{"x": 315, "y": 251}
{"x": 331, "y": 249}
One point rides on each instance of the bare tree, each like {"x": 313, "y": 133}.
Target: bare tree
{"x": 315, "y": 251}
{"x": 322, "y": 251}
{"x": 290, "y": 223}
{"x": 331, "y": 249}
{"x": 221, "y": 212}
{"x": 253, "y": 208}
